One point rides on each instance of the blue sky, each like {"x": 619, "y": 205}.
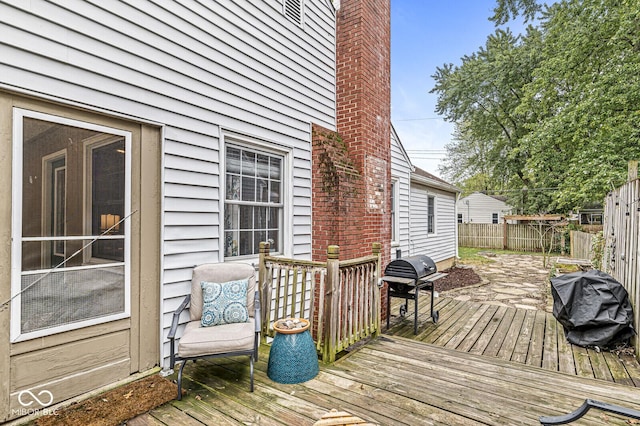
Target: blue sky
{"x": 426, "y": 34}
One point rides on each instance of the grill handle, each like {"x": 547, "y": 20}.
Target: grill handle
{"x": 428, "y": 267}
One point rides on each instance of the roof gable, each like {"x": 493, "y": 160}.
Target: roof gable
{"x": 494, "y": 199}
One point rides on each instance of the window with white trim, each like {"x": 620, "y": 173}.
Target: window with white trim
{"x": 254, "y": 201}
{"x": 70, "y": 249}
{"x": 431, "y": 214}
{"x": 395, "y": 222}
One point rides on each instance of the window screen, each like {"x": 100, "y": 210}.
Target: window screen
{"x": 73, "y": 199}
{"x": 253, "y": 201}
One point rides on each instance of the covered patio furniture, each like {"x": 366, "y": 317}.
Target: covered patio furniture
{"x": 593, "y": 308}
{"x": 224, "y": 313}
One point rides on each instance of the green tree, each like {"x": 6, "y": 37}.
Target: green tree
{"x": 507, "y": 10}
{"x": 481, "y": 96}
{"x": 554, "y": 113}
{"x": 586, "y": 95}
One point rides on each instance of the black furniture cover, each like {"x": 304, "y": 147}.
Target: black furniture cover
{"x": 593, "y": 308}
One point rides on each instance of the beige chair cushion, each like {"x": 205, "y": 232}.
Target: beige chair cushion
{"x": 199, "y": 341}
{"x": 220, "y": 273}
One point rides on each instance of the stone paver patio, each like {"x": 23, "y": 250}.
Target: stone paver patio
{"x": 512, "y": 280}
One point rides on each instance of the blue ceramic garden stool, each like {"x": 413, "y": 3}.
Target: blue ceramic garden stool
{"x": 292, "y": 357}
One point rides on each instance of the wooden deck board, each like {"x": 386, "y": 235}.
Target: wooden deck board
{"x": 456, "y": 334}
{"x": 171, "y": 415}
{"x": 426, "y": 326}
{"x": 472, "y": 337}
{"x": 404, "y": 325}
{"x": 439, "y": 390}
{"x": 519, "y": 335}
{"x": 389, "y": 381}
{"x": 536, "y": 344}
{"x": 582, "y": 361}
{"x": 524, "y": 338}
{"x": 511, "y": 338}
{"x": 617, "y": 368}
{"x": 478, "y": 382}
{"x": 550, "y": 347}
{"x": 633, "y": 368}
{"x": 447, "y": 320}
{"x": 145, "y": 420}
{"x": 482, "y": 377}
{"x": 599, "y": 365}
{"x": 204, "y": 413}
{"x": 497, "y": 340}
{"x": 566, "y": 363}
{"x": 485, "y": 337}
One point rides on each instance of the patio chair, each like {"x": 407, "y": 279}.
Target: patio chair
{"x": 224, "y": 322}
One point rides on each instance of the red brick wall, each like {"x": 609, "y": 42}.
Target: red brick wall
{"x": 354, "y": 210}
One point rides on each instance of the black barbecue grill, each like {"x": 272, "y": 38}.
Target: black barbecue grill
{"x": 406, "y": 277}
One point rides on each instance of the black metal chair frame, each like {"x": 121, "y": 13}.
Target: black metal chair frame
{"x": 252, "y": 353}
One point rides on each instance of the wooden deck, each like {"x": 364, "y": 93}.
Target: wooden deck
{"x": 390, "y": 381}
{"x": 520, "y": 335}
{"x": 481, "y": 365}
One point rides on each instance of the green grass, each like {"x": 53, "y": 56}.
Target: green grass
{"x": 470, "y": 256}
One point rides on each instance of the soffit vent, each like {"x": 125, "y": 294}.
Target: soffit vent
{"x": 293, "y": 10}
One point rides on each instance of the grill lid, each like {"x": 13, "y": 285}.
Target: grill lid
{"x": 414, "y": 267}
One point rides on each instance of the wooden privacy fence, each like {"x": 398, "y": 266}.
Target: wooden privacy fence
{"x": 518, "y": 237}
{"x": 581, "y": 245}
{"x": 341, "y": 298}
{"x": 621, "y": 232}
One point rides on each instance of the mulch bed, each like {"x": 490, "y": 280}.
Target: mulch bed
{"x": 457, "y": 277}
{"x": 116, "y": 406}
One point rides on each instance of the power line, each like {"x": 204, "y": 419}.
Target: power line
{"x": 419, "y": 119}
{"x": 500, "y": 191}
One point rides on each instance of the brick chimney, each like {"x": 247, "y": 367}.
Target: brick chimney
{"x": 352, "y": 172}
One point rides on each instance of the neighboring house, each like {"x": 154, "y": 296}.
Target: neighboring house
{"x": 423, "y": 210}
{"x": 482, "y": 208}
{"x": 590, "y": 216}
{"x": 178, "y": 133}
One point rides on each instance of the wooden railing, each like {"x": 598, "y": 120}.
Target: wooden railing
{"x": 341, "y": 298}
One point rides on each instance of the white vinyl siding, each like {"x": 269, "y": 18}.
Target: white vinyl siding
{"x": 413, "y": 236}
{"x": 442, "y": 244}
{"x": 294, "y": 10}
{"x": 198, "y": 68}
{"x": 482, "y": 208}
{"x": 400, "y": 173}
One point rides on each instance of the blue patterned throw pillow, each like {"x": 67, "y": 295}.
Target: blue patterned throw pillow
{"x": 224, "y": 303}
